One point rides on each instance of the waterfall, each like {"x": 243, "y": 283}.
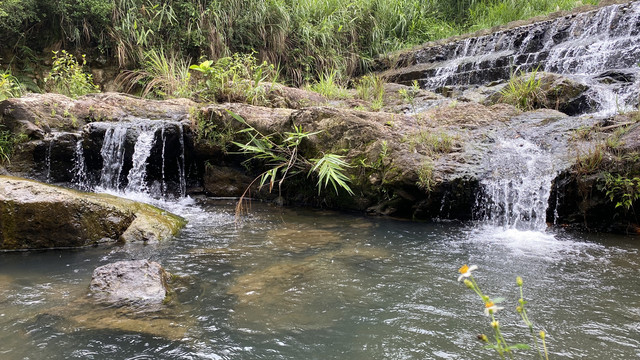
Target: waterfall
{"x": 79, "y": 168}
{"x": 127, "y": 151}
{"x": 515, "y": 193}
{"x": 113, "y": 156}
{"x": 598, "y": 48}
{"x": 583, "y": 47}
{"x": 141, "y": 152}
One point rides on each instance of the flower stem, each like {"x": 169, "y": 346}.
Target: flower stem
{"x": 525, "y": 318}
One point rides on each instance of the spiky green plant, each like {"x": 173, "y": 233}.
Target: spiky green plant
{"x": 163, "y": 75}
{"x": 523, "y": 90}
{"x": 279, "y": 153}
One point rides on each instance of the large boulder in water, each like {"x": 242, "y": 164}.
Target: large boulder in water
{"x": 131, "y": 282}
{"x": 34, "y": 215}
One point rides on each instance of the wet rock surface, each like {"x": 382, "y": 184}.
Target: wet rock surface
{"x": 137, "y": 282}
{"x": 38, "y": 216}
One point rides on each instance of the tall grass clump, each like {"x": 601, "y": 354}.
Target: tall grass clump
{"x": 306, "y": 38}
{"x": 162, "y": 75}
{"x": 523, "y": 90}
{"x": 371, "y": 88}
{"x": 329, "y": 86}
{"x": 489, "y": 13}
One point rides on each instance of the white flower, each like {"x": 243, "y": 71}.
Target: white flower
{"x": 491, "y": 308}
{"x": 466, "y": 271}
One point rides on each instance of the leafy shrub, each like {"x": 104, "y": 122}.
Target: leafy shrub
{"x": 8, "y": 141}
{"x": 10, "y": 87}
{"x": 240, "y": 77}
{"x": 67, "y": 77}
{"x": 622, "y": 190}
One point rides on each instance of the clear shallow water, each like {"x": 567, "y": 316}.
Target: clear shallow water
{"x": 304, "y": 284}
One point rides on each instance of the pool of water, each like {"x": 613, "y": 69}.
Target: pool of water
{"x": 307, "y": 284}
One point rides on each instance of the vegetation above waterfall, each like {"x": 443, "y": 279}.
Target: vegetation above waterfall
{"x": 305, "y": 38}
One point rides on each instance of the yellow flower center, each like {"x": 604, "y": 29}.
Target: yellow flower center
{"x": 464, "y": 269}
{"x": 489, "y": 304}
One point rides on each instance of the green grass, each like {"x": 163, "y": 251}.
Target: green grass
{"x": 329, "y": 86}
{"x": 306, "y": 38}
{"x": 523, "y": 91}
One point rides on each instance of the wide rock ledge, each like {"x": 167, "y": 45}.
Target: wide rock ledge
{"x": 34, "y": 215}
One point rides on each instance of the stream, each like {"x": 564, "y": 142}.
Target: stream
{"x": 309, "y": 284}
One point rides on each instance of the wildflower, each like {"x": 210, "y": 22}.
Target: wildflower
{"x": 542, "y": 334}
{"x": 468, "y": 283}
{"x": 466, "y": 271}
{"x": 519, "y": 309}
{"x": 519, "y": 281}
{"x": 491, "y": 308}
{"x": 495, "y": 324}
{"x": 483, "y": 337}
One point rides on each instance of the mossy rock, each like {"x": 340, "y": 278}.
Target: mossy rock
{"x": 34, "y": 215}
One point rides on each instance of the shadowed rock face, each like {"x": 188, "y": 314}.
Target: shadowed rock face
{"x": 37, "y": 216}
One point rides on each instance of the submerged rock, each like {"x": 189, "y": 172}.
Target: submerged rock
{"x": 135, "y": 281}
{"x": 300, "y": 240}
{"x": 34, "y": 215}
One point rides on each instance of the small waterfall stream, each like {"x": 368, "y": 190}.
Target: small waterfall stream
{"x": 515, "y": 194}
{"x": 127, "y": 151}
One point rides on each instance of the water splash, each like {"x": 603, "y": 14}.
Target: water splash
{"x": 515, "y": 193}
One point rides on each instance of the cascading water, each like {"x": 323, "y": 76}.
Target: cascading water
{"x": 598, "y": 49}
{"x": 126, "y": 170}
{"x": 515, "y": 194}
{"x": 585, "y": 47}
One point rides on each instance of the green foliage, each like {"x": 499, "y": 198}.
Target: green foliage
{"x": 426, "y": 178}
{"x": 622, "y": 190}
{"x": 67, "y": 76}
{"x": 279, "y": 153}
{"x": 330, "y": 169}
{"x": 163, "y": 75}
{"x": 409, "y": 95}
{"x": 10, "y": 87}
{"x": 434, "y": 143}
{"x": 371, "y": 88}
{"x": 329, "y": 86}
{"x": 305, "y": 37}
{"x": 8, "y": 142}
{"x": 489, "y": 13}
{"x": 240, "y": 77}
{"x": 523, "y": 91}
